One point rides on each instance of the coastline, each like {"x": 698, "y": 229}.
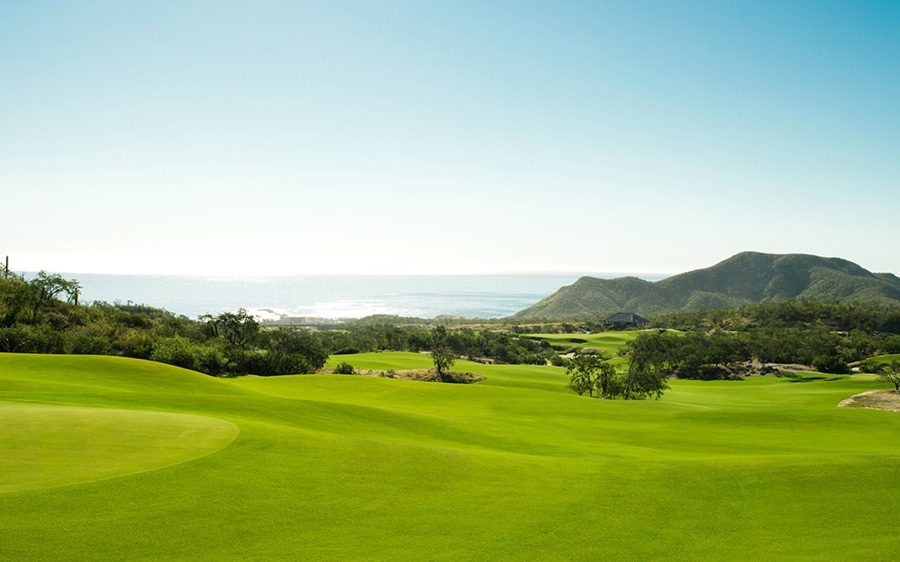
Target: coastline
{"x": 330, "y": 296}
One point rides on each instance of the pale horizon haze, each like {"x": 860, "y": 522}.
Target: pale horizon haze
{"x": 409, "y": 137}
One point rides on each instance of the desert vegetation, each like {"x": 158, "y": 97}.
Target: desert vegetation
{"x": 745, "y": 279}
{"x": 43, "y": 315}
{"x": 34, "y": 319}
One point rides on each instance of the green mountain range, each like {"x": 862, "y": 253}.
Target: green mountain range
{"x": 744, "y": 279}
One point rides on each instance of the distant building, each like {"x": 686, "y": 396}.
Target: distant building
{"x": 621, "y": 320}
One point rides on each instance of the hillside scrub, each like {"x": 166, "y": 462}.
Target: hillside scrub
{"x": 827, "y": 337}
{"x": 696, "y": 355}
{"x": 34, "y": 320}
{"x": 494, "y": 345}
{"x": 747, "y": 278}
{"x": 44, "y": 315}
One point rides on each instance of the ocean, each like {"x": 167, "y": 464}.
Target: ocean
{"x": 329, "y": 296}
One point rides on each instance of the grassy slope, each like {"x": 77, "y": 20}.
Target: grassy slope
{"x": 607, "y": 342}
{"x": 340, "y": 467}
{"x": 884, "y": 359}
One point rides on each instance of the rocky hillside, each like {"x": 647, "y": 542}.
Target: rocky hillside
{"x": 747, "y": 278}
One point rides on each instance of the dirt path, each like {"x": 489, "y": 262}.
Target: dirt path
{"x": 874, "y": 399}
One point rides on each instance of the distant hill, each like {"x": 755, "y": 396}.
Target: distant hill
{"x": 743, "y": 279}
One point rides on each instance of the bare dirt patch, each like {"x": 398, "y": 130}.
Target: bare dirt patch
{"x": 874, "y": 399}
{"x": 429, "y": 375}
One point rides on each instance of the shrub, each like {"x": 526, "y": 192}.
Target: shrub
{"x": 134, "y": 343}
{"x": 212, "y": 360}
{"x": 870, "y": 367}
{"x": 30, "y": 339}
{"x": 830, "y": 364}
{"x": 344, "y": 368}
{"x": 176, "y": 351}
{"x": 83, "y": 343}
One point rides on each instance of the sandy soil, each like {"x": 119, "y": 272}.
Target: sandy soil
{"x": 422, "y": 375}
{"x": 874, "y": 399}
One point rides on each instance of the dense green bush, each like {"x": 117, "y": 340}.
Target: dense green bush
{"x": 486, "y": 345}
{"x": 35, "y": 318}
{"x": 830, "y": 364}
{"x": 827, "y": 336}
{"x": 343, "y": 368}
{"x": 176, "y": 351}
{"x": 136, "y": 343}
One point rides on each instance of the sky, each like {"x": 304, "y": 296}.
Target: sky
{"x": 424, "y": 137}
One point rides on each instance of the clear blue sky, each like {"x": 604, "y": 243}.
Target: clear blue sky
{"x": 439, "y": 137}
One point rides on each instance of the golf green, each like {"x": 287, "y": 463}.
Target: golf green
{"x": 54, "y": 445}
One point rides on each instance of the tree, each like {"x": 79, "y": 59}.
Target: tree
{"x": 643, "y": 382}
{"x": 72, "y": 290}
{"x": 649, "y": 367}
{"x": 594, "y": 372}
{"x": 47, "y": 286}
{"x": 609, "y": 382}
{"x": 238, "y": 328}
{"x": 891, "y": 373}
{"x": 441, "y": 352}
{"x": 582, "y": 373}
{"x": 15, "y": 298}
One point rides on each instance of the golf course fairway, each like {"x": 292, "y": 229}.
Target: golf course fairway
{"x": 106, "y": 458}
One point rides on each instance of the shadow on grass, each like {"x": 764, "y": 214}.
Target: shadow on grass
{"x": 796, "y": 377}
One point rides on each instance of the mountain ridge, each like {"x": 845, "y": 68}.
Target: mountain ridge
{"x": 743, "y": 279}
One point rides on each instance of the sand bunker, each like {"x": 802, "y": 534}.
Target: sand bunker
{"x": 874, "y": 399}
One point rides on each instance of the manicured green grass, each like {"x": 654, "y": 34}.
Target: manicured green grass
{"x": 383, "y": 361}
{"x": 607, "y": 342}
{"x": 883, "y": 359}
{"x": 46, "y": 446}
{"x": 331, "y": 467}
